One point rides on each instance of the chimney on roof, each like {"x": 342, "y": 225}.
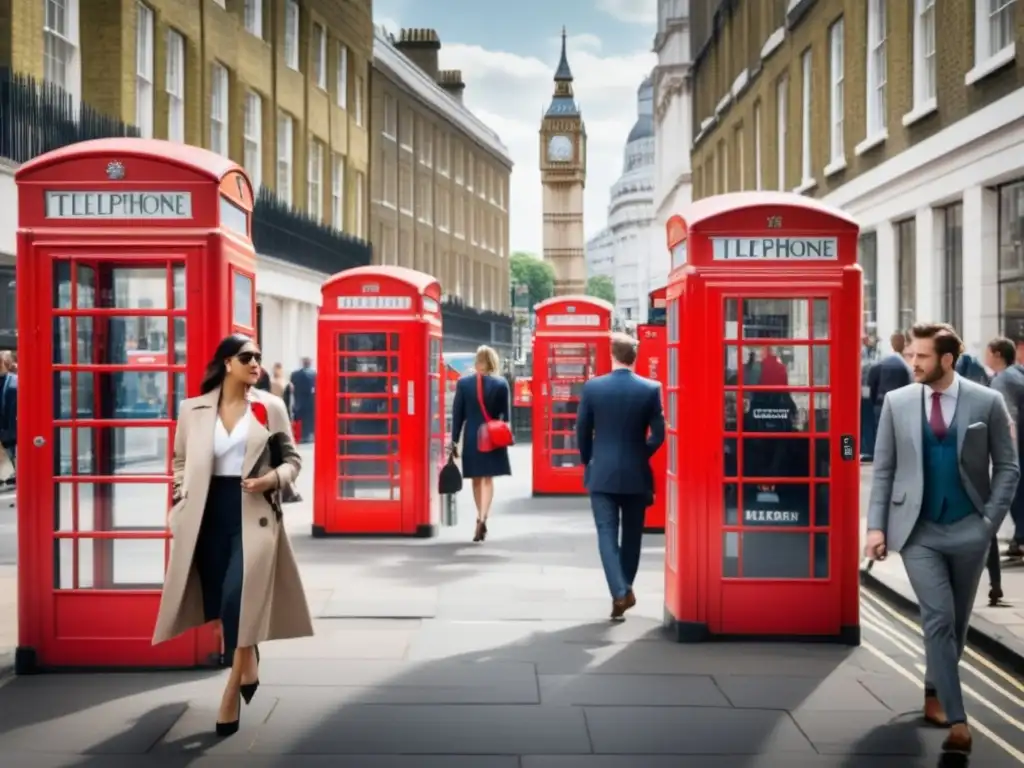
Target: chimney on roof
{"x": 421, "y": 46}
{"x": 451, "y": 81}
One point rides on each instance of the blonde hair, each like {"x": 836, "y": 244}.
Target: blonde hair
{"x": 486, "y": 360}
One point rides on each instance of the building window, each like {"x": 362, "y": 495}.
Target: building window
{"x": 320, "y": 56}
{"x": 867, "y": 257}
{"x": 285, "y": 153}
{"x": 994, "y": 30}
{"x": 424, "y": 200}
{"x": 781, "y": 109}
{"x": 253, "y": 17}
{"x": 144, "y": 71}
{"x": 359, "y": 96}
{"x": 806, "y": 174}
{"x": 906, "y": 273}
{"x": 740, "y": 170}
{"x": 836, "y": 104}
{"x": 460, "y": 217}
{"x": 405, "y": 131}
{"x": 953, "y": 265}
{"x": 360, "y": 202}
{"x": 219, "y": 109}
{"x": 443, "y": 152}
{"x": 924, "y": 54}
{"x": 342, "y": 76}
{"x": 757, "y": 146}
{"x": 314, "y": 181}
{"x": 444, "y": 202}
{"x": 1011, "y": 260}
{"x": 291, "y": 34}
{"x": 405, "y": 190}
{"x": 470, "y": 176}
{"x": 338, "y": 193}
{"x": 390, "y": 174}
{"x": 876, "y": 67}
{"x": 175, "y": 86}
{"x": 390, "y": 128}
{"x": 60, "y": 46}
{"x": 458, "y": 164}
{"x": 426, "y": 144}
{"x": 253, "y": 138}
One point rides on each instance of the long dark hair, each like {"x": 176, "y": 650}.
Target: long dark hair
{"x": 229, "y": 347}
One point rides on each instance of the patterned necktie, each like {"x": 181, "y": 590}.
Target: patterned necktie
{"x": 935, "y": 420}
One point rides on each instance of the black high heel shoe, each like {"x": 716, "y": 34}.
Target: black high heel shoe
{"x": 229, "y": 728}
{"x": 248, "y": 690}
{"x": 483, "y": 531}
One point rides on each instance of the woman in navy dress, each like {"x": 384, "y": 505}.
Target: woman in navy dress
{"x": 478, "y": 466}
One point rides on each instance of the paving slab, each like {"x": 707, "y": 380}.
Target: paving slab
{"x": 631, "y": 690}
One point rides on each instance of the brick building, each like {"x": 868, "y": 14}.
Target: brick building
{"x": 908, "y": 115}
{"x": 279, "y": 86}
{"x": 439, "y": 179}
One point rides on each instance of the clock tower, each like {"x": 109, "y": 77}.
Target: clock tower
{"x": 563, "y": 173}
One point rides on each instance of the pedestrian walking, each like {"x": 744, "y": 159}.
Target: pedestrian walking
{"x": 231, "y": 562}
{"x": 934, "y": 502}
{"x": 480, "y": 397}
{"x": 1001, "y": 357}
{"x": 619, "y": 426}
{"x": 304, "y": 399}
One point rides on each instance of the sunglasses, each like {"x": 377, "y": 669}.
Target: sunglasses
{"x": 247, "y": 357}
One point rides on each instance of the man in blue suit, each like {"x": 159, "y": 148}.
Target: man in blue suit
{"x": 8, "y": 407}
{"x": 619, "y": 426}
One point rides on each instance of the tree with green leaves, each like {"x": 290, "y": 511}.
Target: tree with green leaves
{"x": 601, "y": 287}
{"x": 535, "y": 273}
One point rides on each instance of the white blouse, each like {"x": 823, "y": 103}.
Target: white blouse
{"x": 229, "y": 448}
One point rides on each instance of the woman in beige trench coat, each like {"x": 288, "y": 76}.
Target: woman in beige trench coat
{"x": 231, "y": 561}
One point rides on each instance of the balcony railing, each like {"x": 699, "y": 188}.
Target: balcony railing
{"x": 284, "y": 233}
{"x": 39, "y": 117}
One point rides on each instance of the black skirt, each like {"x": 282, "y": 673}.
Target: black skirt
{"x": 218, "y": 558}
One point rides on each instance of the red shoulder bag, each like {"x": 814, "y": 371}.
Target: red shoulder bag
{"x": 494, "y": 433}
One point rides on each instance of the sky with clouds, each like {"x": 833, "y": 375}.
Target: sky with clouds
{"x": 508, "y": 52}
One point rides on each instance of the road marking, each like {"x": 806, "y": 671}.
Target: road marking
{"x": 1015, "y": 753}
{"x": 893, "y": 637}
{"x": 985, "y": 702}
{"x": 877, "y": 601}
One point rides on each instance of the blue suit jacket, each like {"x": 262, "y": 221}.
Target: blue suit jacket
{"x": 619, "y": 426}
{"x": 9, "y": 410}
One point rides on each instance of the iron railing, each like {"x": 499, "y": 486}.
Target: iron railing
{"x": 38, "y": 117}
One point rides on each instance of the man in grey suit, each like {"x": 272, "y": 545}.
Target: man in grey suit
{"x": 933, "y": 501}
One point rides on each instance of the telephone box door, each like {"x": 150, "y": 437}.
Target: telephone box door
{"x": 781, "y": 528}
{"x": 110, "y": 359}
{"x": 376, "y": 400}
{"x": 650, "y": 363}
{"x": 568, "y": 366}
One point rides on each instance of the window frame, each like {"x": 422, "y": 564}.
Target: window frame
{"x": 315, "y": 180}
{"x": 837, "y": 91}
{"x": 987, "y": 58}
{"x": 782, "y": 128}
{"x": 145, "y": 69}
{"x": 318, "y": 50}
{"x": 338, "y": 192}
{"x": 252, "y": 17}
{"x": 806, "y": 115}
{"x": 252, "y": 138}
{"x": 220, "y": 101}
{"x": 877, "y": 71}
{"x": 341, "y": 76}
{"x": 174, "y": 85}
{"x": 292, "y": 26}
{"x": 285, "y": 157}
{"x": 925, "y": 66}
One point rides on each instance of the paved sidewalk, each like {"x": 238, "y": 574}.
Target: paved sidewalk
{"x": 446, "y": 654}
{"x": 1000, "y": 627}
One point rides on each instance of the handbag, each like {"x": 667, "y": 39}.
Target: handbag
{"x": 493, "y": 433}
{"x": 276, "y": 460}
{"x": 449, "y": 480}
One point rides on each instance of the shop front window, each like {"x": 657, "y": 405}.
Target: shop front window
{"x": 1011, "y": 260}
{"x": 867, "y": 257}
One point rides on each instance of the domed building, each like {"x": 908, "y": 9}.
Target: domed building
{"x": 630, "y": 212}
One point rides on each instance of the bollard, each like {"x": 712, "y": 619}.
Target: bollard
{"x": 449, "y": 511}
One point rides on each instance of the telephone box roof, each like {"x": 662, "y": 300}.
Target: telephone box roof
{"x": 418, "y": 280}
{"x": 197, "y": 159}
{"x": 709, "y": 208}
{"x": 573, "y": 297}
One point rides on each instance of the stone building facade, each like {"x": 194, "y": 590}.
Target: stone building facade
{"x": 279, "y": 86}
{"x": 439, "y": 182}
{"x": 909, "y": 116}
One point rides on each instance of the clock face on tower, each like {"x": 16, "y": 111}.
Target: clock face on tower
{"x": 560, "y": 149}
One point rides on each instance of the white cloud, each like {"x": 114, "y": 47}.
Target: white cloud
{"x": 631, "y": 11}
{"x": 510, "y": 92}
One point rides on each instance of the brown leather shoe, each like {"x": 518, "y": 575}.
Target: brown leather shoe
{"x": 933, "y": 713}
{"x": 619, "y": 608}
{"x": 959, "y": 739}
{"x": 630, "y": 599}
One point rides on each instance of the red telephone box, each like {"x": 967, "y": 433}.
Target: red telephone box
{"x": 650, "y": 362}
{"x": 571, "y": 344}
{"x": 763, "y": 517}
{"x": 380, "y": 415}
{"x": 134, "y": 260}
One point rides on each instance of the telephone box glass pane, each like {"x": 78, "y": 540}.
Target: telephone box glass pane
{"x": 776, "y": 319}
{"x": 776, "y": 505}
{"x": 569, "y": 367}
{"x": 731, "y": 329}
{"x": 180, "y": 300}
{"x": 776, "y": 366}
{"x": 367, "y": 417}
{"x": 241, "y": 302}
{"x": 822, "y": 457}
{"x": 732, "y": 365}
{"x": 821, "y": 319}
{"x": 821, "y": 365}
{"x": 110, "y": 563}
{"x": 821, "y": 555}
{"x": 730, "y": 504}
{"x": 776, "y": 412}
{"x": 822, "y": 412}
{"x": 776, "y": 457}
{"x": 107, "y": 451}
{"x": 822, "y": 501}
{"x": 730, "y": 453}
{"x": 771, "y": 555}
{"x": 437, "y": 431}
{"x": 731, "y": 413}
{"x": 730, "y": 554}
